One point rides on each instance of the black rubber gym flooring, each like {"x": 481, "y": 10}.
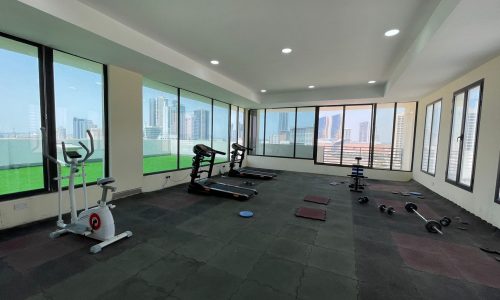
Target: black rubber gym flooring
{"x": 197, "y": 247}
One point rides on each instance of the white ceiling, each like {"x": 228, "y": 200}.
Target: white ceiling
{"x": 338, "y": 45}
{"x": 335, "y": 43}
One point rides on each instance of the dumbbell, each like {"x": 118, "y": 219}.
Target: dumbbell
{"x": 363, "y": 200}
{"x": 390, "y": 210}
{"x": 432, "y": 226}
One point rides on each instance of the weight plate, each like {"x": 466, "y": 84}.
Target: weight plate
{"x": 445, "y": 221}
{"x": 381, "y": 207}
{"x": 390, "y": 211}
{"x": 410, "y": 207}
{"x": 431, "y": 226}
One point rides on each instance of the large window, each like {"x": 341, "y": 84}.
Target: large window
{"x": 330, "y": 136}
{"x": 241, "y": 126}
{"x": 220, "y": 139}
{"x": 234, "y": 124}
{"x": 304, "y": 132}
{"x": 382, "y": 139}
{"x": 357, "y": 134}
{"x": 463, "y": 138}
{"x": 160, "y": 110}
{"x": 79, "y": 106}
{"x": 279, "y": 132}
{"x": 381, "y": 134}
{"x": 195, "y": 125}
{"x": 20, "y": 144}
{"x": 404, "y": 131}
{"x": 256, "y": 131}
{"x": 431, "y": 136}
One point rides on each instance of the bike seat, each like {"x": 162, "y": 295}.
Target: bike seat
{"x": 105, "y": 181}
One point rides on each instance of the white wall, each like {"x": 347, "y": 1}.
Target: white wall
{"x": 481, "y": 201}
{"x": 308, "y": 166}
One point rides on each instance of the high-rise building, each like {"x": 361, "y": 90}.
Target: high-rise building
{"x": 60, "y": 133}
{"x": 283, "y": 121}
{"x": 80, "y": 127}
{"x": 329, "y": 127}
{"x": 363, "y": 132}
{"x": 157, "y": 111}
{"x": 152, "y": 132}
{"x": 304, "y": 136}
{"x": 399, "y": 131}
{"x": 201, "y": 124}
{"x": 174, "y": 114}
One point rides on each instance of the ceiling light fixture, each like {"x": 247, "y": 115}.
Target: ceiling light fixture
{"x": 392, "y": 32}
{"x": 372, "y": 82}
{"x": 263, "y": 91}
{"x": 214, "y": 62}
{"x": 286, "y": 50}
{"x": 311, "y": 87}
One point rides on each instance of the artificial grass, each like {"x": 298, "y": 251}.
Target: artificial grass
{"x": 31, "y": 178}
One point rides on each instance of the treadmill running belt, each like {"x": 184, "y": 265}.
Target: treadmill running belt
{"x": 231, "y": 189}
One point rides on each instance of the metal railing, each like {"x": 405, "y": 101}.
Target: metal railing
{"x": 381, "y": 156}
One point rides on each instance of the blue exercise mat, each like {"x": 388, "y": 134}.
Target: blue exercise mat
{"x": 246, "y": 214}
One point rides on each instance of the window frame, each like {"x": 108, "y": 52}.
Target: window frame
{"x": 48, "y": 116}
{"x": 465, "y": 90}
{"x": 497, "y": 189}
{"x": 315, "y": 134}
{"x": 295, "y": 132}
{"x": 430, "y": 136}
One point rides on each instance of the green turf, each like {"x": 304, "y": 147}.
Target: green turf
{"x": 31, "y": 178}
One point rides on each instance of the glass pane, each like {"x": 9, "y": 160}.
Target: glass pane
{"x": 221, "y": 130}
{"x": 196, "y": 125}
{"x": 234, "y": 124}
{"x": 79, "y": 104}
{"x": 434, "y": 137}
{"x": 383, "y": 136}
{"x": 357, "y": 138}
{"x": 304, "y": 144}
{"x": 403, "y": 136}
{"x": 241, "y": 126}
{"x": 20, "y": 144}
{"x": 160, "y": 126}
{"x": 427, "y": 137}
{"x": 280, "y": 134}
{"x": 329, "y": 135}
{"x": 456, "y": 131}
{"x": 469, "y": 138}
{"x": 256, "y": 132}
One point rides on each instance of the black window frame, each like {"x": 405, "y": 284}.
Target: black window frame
{"x": 465, "y": 91}
{"x": 315, "y": 143}
{"x": 430, "y": 137}
{"x": 211, "y": 130}
{"x": 497, "y": 189}
{"x": 250, "y": 135}
{"x": 48, "y": 117}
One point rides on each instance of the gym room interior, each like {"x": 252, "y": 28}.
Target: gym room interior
{"x": 231, "y": 149}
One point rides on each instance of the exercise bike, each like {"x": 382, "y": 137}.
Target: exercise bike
{"x": 96, "y": 222}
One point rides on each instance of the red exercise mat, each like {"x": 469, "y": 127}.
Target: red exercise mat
{"x": 311, "y": 213}
{"x": 317, "y": 199}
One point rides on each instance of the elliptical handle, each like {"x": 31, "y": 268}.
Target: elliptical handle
{"x": 219, "y": 152}
{"x": 87, "y": 151}
{"x": 63, "y": 145}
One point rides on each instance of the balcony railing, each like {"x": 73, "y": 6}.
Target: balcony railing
{"x": 381, "y": 156}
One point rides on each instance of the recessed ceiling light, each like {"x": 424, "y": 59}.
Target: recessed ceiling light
{"x": 286, "y": 50}
{"x": 311, "y": 87}
{"x": 263, "y": 91}
{"x": 391, "y": 32}
{"x": 214, "y": 62}
{"x": 371, "y": 81}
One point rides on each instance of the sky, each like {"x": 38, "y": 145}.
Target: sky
{"x": 78, "y": 92}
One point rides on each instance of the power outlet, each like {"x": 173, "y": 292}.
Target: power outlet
{"x": 20, "y": 206}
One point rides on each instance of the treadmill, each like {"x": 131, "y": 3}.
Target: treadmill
{"x": 209, "y": 186}
{"x": 237, "y": 156}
